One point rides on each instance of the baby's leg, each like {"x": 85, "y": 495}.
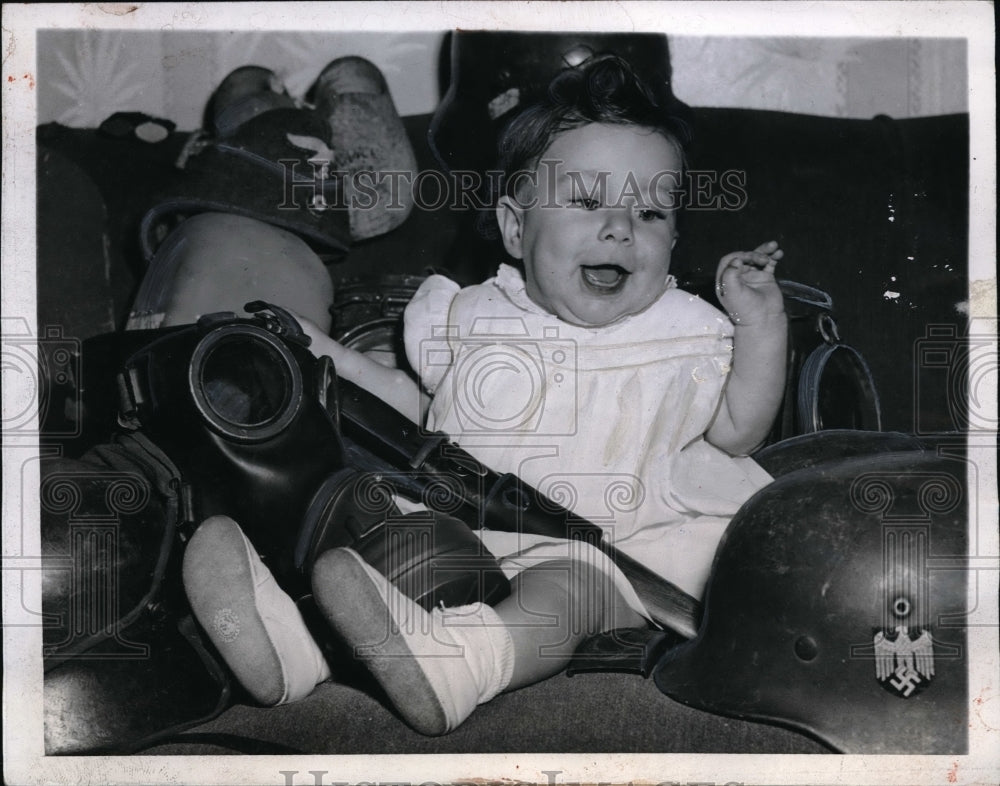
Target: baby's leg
{"x": 255, "y": 626}
{"x": 552, "y": 608}
{"x": 436, "y": 666}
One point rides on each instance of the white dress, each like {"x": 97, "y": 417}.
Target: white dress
{"x": 608, "y": 422}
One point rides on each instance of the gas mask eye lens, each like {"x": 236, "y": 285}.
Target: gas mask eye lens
{"x": 245, "y": 382}
{"x": 241, "y": 384}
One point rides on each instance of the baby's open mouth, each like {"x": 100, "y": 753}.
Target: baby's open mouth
{"x": 604, "y": 278}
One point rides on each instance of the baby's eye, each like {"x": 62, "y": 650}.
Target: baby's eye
{"x": 648, "y": 214}
{"x": 585, "y": 203}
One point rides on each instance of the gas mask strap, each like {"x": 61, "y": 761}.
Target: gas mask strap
{"x": 327, "y": 392}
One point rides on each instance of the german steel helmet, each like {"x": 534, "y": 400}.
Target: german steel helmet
{"x": 494, "y": 75}
{"x": 837, "y": 606}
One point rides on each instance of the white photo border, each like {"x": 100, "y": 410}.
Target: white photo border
{"x": 24, "y": 759}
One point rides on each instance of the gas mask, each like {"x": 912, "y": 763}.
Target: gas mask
{"x": 252, "y": 420}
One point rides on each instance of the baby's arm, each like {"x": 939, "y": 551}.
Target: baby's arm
{"x": 747, "y": 289}
{"x": 396, "y": 388}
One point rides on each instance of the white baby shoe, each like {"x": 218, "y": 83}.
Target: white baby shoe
{"x": 435, "y": 667}
{"x": 256, "y": 627}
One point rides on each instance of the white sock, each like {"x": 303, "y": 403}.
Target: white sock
{"x": 489, "y": 649}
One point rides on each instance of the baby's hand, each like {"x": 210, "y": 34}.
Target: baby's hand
{"x": 746, "y": 285}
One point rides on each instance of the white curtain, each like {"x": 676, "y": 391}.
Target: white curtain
{"x": 844, "y": 77}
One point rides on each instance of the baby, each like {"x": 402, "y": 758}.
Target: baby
{"x": 642, "y": 406}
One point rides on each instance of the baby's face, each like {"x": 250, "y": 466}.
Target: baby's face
{"x": 597, "y": 232}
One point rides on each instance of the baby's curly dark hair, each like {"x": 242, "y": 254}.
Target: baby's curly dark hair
{"x": 602, "y": 89}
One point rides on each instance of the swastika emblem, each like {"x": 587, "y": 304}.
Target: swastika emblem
{"x": 905, "y": 680}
